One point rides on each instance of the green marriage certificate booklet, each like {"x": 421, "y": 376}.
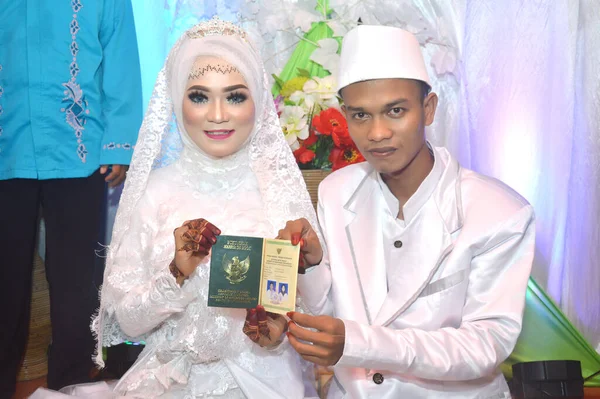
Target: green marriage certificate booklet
{"x": 248, "y": 271}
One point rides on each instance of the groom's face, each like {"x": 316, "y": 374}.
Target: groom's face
{"x": 218, "y": 109}
{"x": 387, "y": 119}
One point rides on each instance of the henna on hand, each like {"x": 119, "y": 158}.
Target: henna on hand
{"x": 200, "y": 236}
{"x": 251, "y": 325}
{"x": 193, "y": 241}
{"x": 263, "y": 326}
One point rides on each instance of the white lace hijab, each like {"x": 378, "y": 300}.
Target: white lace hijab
{"x": 162, "y": 141}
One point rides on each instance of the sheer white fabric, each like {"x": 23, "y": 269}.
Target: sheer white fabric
{"x": 191, "y": 349}
{"x": 530, "y": 116}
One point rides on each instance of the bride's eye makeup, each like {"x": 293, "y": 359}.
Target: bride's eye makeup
{"x": 236, "y": 97}
{"x": 198, "y": 97}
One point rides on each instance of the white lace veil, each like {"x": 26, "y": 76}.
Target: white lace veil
{"x": 161, "y": 142}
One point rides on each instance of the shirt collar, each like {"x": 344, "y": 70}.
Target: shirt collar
{"x": 418, "y": 199}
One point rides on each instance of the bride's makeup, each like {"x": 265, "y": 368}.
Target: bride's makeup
{"x": 218, "y": 108}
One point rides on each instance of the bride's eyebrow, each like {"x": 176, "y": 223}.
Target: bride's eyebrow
{"x": 199, "y": 87}
{"x": 225, "y": 89}
{"x": 235, "y": 87}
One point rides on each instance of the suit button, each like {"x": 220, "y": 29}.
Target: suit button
{"x": 398, "y": 244}
{"x": 377, "y": 378}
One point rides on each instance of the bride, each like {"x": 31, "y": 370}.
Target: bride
{"x": 211, "y": 158}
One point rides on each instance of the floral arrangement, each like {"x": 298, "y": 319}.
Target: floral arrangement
{"x": 314, "y": 127}
{"x": 308, "y": 104}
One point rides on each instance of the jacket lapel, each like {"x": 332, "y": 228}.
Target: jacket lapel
{"x": 364, "y": 231}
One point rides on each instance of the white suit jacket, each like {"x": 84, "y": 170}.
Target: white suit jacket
{"x": 450, "y": 304}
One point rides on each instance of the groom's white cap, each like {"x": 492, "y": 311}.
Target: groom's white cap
{"x": 380, "y": 52}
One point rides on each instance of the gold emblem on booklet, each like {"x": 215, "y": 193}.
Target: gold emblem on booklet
{"x": 235, "y": 269}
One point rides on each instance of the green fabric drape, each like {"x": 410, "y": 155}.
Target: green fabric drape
{"x": 548, "y": 335}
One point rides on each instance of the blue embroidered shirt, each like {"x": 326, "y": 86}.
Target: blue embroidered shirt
{"x": 70, "y": 87}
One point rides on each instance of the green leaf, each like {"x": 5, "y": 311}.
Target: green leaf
{"x": 322, "y": 151}
{"x": 278, "y": 81}
{"x": 303, "y": 73}
{"x": 323, "y": 8}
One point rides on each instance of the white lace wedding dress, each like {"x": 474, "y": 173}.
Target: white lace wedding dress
{"x": 192, "y": 350}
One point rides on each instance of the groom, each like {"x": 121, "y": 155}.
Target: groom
{"x": 420, "y": 289}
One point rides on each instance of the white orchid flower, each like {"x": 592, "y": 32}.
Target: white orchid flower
{"x": 305, "y": 100}
{"x": 294, "y": 123}
{"x": 326, "y": 54}
{"x": 325, "y": 87}
{"x": 338, "y": 28}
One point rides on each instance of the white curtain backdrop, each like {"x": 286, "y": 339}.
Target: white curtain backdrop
{"x": 530, "y": 116}
{"x": 522, "y": 104}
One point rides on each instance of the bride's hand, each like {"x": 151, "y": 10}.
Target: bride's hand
{"x": 301, "y": 232}
{"x": 264, "y": 328}
{"x": 193, "y": 241}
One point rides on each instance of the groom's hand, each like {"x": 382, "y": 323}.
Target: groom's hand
{"x": 324, "y": 346}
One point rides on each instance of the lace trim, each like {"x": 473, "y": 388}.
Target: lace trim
{"x": 76, "y": 105}
{"x": 201, "y": 175}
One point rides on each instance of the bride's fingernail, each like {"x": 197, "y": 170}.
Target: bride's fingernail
{"x": 296, "y": 238}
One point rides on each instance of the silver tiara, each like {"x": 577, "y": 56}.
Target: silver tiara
{"x": 216, "y": 27}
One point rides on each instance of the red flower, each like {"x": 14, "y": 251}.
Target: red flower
{"x": 340, "y": 157}
{"x": 331, "y": 122}
{"x": 304, "y": 155}
{"x": 311, "y": 139}
{"x": 328, "y": 121}
{"x": 341, "y": 138}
